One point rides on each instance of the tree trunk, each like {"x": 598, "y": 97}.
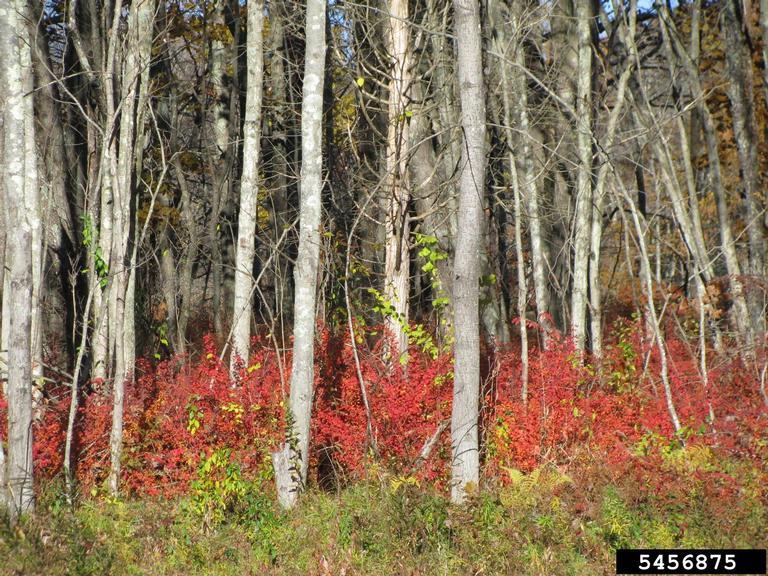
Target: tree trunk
{"x": 169, "y": 283}
{"x": 430, "y": 203}
{"x": 607, "y": 142}
{"x": 221, "y": 153}
{"x": 465, "y": 469}
{"x": 22, "y": 215}
{"x": 137, "y": 59}
{"x": 764, "y": 33}
{"x": 3, "y": 494}
{"x": 397, "y": 260}
{"x": 69, "y": 476}
{"x": 740, "y": 314}
{"x": 280, "y": 153}
{"x": 307, "y": 262}
{"x": 249, "y": 201}
{"x": 106, "y": 307}
{"x": 584, "y": 208}
{"x": 641, "y": 231}
{"x": 742, "y": 97}
{"x": 516, "y": 83}
{"x": 190, "y": 256}
{"x": 522, "y": 283}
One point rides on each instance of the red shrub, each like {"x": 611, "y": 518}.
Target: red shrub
{"x": 181, "y": 408}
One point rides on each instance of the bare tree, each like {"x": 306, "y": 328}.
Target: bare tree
{"x": 742, "y": 99}
{"x": 465, "y": 469}
{"x": 249, "y": 185}
{"x": 678, "y": 54}
{"x": 221, "y": 149}
{"x": 396, "y": 267}
{"x": 513, "y": 33}
{"x": 22, "y": 215}
{"x": 137, "y": 57}
{"x": 584, "y": 194}
{"x": 307, "y": 262}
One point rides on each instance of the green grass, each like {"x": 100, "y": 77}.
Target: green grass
{"x": 542, "y": 523}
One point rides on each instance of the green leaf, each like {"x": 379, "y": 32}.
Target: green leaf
{"x": 360, "y": 82}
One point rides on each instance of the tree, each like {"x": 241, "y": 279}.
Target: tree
{"x": 583, "y": 217}
{"x": 307, "y": 262}
{"x": 246, "y": 229}
{"x": 22, "y": 215}
{"x": 220, "y": 137}
{"x": 465, "y": 469}
{"x": 134, "y": 91}
{"x": 742, "y": 99}
{"x": 397, "y": 260}
{"x": 521, "y": 162}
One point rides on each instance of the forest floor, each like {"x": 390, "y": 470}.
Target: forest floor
{"x": 544, "y": 523}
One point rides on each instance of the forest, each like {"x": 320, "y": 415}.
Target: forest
{"x": 381, "y": 287}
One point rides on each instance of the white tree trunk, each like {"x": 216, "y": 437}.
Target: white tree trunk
{"x": 430, "y": 200}
{"x": 101, "y": 351}
{"x": 520, "y": 156}
{"x": 583, "y": 216}
{"x": 246, "y": 227}
{"x": 652, "y": 320}
{"x": 302, "y": 375}
{"x": 396, "y": 264}
{"x": 106, "y": 310}
{"x": 5, "y": 314}
{"x": 3, "y": 495}
{"x": 740, "y": 313}
{"x": 465, "y": 468}
{"x": 22, "y": 215}
{"x": 516, "y": 84}
{"x": 137, "y": 58}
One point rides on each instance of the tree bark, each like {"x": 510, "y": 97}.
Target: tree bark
{"x": 465, "y": 469}
{"x": 22, "y": 215}
{"x": 764, "y": 33}
{"x": 134, "y": 87}
{"x": 430, "y": 202}
{"x": 220, "y": 154}
{"x": 584, "y": 192}
{"x": 280, "y": 160}
{"x": 513, "y": 67}
{"x": 249, "y": 200}
{"x": 397, "y": 260}
{"x": 522, "y": 282}
{"x": 740, "y": 313}
{"x": 190, "y": 255}
{"x": 607, "y": 141}
{"x": 741, "y": 94}
{"x": 307, "y": 262}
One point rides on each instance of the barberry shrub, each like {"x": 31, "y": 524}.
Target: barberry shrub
{"x": 189, "y": 426}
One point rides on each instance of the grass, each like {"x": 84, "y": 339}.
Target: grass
{"x": 540, "y": 523}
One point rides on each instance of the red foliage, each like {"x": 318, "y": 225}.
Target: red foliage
{"x": 181, "y": 408}
{"x": 406, "y": 408}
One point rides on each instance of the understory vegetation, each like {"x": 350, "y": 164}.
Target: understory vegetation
{"x": 546, "y": 522}
{"x": 589, "y": 464}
